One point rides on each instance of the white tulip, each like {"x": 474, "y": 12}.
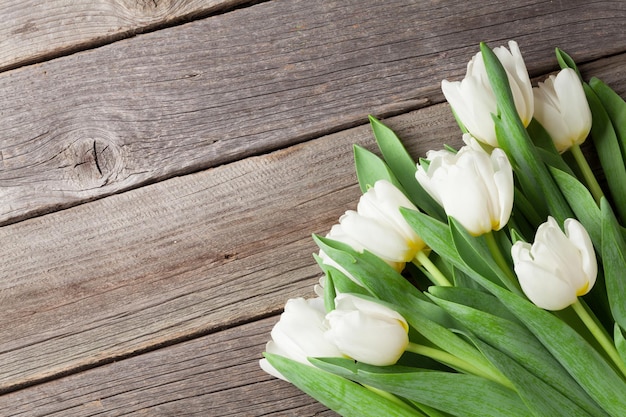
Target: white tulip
{"x": 300, "y": 334}
{"x": 378, "y": 226}
{"x": 473, "y": 99}
{"x": 367, "y": 331}
{"x": 558, "y": 267}
{"x": 562, "y": 109}
{"x": 472, "y": 186}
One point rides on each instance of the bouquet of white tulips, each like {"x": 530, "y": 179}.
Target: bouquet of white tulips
{"x": 484, "y": 281}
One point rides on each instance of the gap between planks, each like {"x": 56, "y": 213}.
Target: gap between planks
{"x": 214, "y": 375}
{"x": 169, "y": 269}
{"x": 67, "y": 297}
{"x": 132, "y": 22}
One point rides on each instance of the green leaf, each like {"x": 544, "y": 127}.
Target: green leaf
{"x": 566, "y": 61}
{"x": 430, "y": 325}
{"x": 459, "y": 122}
{"x": 462, "y": 280}
{"x": 608, "y": 149}
{"x": 337, "y": 393}
{"x": 499, "y": 81}
{"x": 370, "y": 168}
{"x": 476, "y": 254}
{"x": 524, "y": 216}
{"x": 582, "y": 202}
{"x": 341, "y": 282}
{"x": 574, "y": 353}
{"x": 545, "y": 146}
{"x": 615, "y": 107}
{"x": 404, "y": 168}
{"x": 329, "y": 292}
{"x": 532, "y": 173}
{"x": 438, "y": 236}
{"x": 526, "y": 174}
{"x": 457, "y": 394}
{"x": 539, "y": 397}
{"x": 614, "y": 262}
{"x": 430, "y": 411}
{"x": 435, "y": 234}
{"x": 475, "y": 299}
{"x": 422, "y": 316}
{"x": 620, "y": 342}
{"x": 389, "y": 286}
{"x": 516, "y": 341}
{"x": 372, "y": 272}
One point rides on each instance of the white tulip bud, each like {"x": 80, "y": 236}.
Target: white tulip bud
{"x": 562, "y": 109}
{"x": 558, "y": 267}
{"x": 378, "y": 227}
{"x": 473, "y": 99}
{"x": 472, "y": 186}
{"x": 367, "y": 331}
{"x": 300, "y": 334}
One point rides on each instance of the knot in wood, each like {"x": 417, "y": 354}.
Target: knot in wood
{"x": 93, "y": 158}
{"x": 143, "y": 10}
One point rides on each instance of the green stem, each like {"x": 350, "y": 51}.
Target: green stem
{"x": 511, "y": 282}
{"x": 459, "y": 364}
{"x": 590, "y": 179}
{"x": 600, "y": 335}
{"x": 437, "y": 276}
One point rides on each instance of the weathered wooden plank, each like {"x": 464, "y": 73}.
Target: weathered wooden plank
{"x": 198, "y": 95}
{"x": 215, "y": 375}
{"x": 184, "y": 256}
{"x": 34, "y": 31}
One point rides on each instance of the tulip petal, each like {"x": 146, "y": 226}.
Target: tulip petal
{"x": 382, "y": 202}
{"x": 474, "y": 101}
{"x": 543, "y": 287}
{"x": 268, "y": 368}
{"x": 344, "y": 301}
{"x": 575, "y": 109}
{"x": 580, "y": 239}
{"x": 380, "y": 344}
{"x": 367, "y": 331}
{"x": 519, "y": 80}
{"x": 503, "y": 179}
{"x": 337, "y": 233}
{"x": 472, "y": 186}
{"x": 547, "y": 112}
{"x": 466, "y": 199}
{"x": 374, "y": 236}
{"x": 300, "y": 331}
{"x": 557, "y": 267}
{"x": 562, "y": 109}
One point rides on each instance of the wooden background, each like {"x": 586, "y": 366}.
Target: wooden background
{"x": 164, "y": 163}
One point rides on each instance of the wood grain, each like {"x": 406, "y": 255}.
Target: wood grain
{"x": 247, "y": 82}
{"x": 184, "y": 256}
{"x": 34, "y": 31}
{"x": 215, "y": 375}
{"x": 210, "y": 141}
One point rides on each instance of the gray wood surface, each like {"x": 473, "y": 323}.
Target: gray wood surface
{"x": 191, "y": 378}
{"x": 193, "y": 163}
{"x": 34, "y": 31}
{"x": 189, "y": 97}
{"x": 187, "y": 255}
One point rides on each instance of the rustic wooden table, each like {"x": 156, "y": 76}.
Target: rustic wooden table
{"x": 164, "y": 163}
